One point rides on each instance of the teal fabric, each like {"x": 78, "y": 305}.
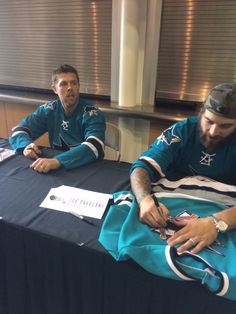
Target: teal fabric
{"x": 124, "y": 236}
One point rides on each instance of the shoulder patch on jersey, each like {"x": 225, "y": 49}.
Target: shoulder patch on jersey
{"x": 169, "y": 137}
{"x": 91, "y": 110}
{"x": 49, "y": 106}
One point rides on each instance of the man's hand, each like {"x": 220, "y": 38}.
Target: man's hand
{"x": 196, "y": 234}
{"x": 32, "y": 151}
{"x": 151, "y": 215}
{"x": 45, "y": 164}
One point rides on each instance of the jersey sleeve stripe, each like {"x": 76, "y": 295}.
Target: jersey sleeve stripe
{"x": 95, "y": 145}
{"x": 153, "y": 164}
{"x": 21, "y": 129}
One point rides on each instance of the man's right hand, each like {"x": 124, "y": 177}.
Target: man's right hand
{"x": 32, "y": 151}
{"x": 151, "y": 215}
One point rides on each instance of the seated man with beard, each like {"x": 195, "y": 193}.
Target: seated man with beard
{"x": 202, "y": 145}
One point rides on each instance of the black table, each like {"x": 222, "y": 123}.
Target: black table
{"x": 52, "y": 263}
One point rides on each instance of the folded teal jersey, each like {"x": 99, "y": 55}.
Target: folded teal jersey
{"x": 125, "y": 237}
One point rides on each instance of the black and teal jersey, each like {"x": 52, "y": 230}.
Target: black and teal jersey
{"x": 125, "y": 237}
{"x": 80, "y": 135}
{"x": 179, "y": 149}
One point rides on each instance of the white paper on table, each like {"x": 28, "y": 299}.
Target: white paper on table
{"x": 77, "y": 201}
{"x": 6, "y": 153}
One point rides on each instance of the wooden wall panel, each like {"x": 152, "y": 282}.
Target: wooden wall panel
{"x": 15, "y": 112}
{"x": 156, "y": 127}
{"x": 3, "y": 123}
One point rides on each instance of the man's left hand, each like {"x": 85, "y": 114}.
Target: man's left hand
{"x": 45, "y": 164}
{"x": 195, "y": 235}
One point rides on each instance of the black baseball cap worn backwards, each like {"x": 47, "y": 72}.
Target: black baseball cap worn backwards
{"x": 221, "y": 100}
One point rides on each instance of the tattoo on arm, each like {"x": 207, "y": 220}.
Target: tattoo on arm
{"x": 140, "y": 184}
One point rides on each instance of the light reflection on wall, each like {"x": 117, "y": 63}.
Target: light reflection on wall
{"x": 95, "y": 43}
{"x": 204, "y": 90}
{"x": 187, "y": 48}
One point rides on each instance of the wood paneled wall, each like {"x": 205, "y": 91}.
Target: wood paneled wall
{"x": 156, "y": 127}
{"x": 11, "y": 114}
{"x": 3, "y": 122}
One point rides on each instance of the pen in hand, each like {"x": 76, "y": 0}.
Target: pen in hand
{"x": 31, "y": 148}
{"x": 162, "y": 229}
{"x": 34, "y": 150}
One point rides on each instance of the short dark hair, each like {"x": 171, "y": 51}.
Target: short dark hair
{"x": 64, "y": 68}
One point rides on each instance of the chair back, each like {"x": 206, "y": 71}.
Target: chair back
{"x": 113, "y": 139}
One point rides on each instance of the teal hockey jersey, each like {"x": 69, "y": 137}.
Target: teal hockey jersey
{"x": 125, "y": 237}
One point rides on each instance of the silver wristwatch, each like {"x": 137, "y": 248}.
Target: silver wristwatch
{"x": 220, "y": 224}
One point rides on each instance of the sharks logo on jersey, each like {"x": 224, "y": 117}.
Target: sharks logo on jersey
{"x": 169, "y": 137}
{"x": 91, "y": 110}
{"x": 65, "y": 125}
{"x": 206, "y": 159}
{"x": 48, "y": 106}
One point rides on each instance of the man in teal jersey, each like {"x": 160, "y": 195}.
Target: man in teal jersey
{"x": 203, "y": 145}
{"x": 73, "y": 124}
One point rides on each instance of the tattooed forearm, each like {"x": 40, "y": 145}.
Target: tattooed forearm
{"x": 140, "y": 183}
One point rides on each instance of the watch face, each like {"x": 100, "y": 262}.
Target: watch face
{"x": 222, "y": 226}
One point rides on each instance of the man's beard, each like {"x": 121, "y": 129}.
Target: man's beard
{"x": 211, "y": 143}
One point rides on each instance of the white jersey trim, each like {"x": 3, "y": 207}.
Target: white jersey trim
{"x": 173, "y": 267}
{"x": 18, "y": 132}
{"x": 153, "y": 163}
{"x": 92, "y": 147}
{"x": 98, "y": 140}
{"x": 225, "y": 286}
